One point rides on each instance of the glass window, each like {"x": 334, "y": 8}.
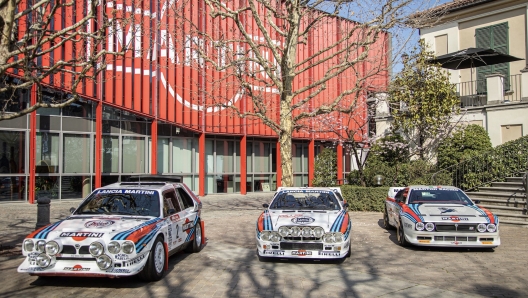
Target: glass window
{"x": 249, "y": 155}
{"x": 182, "y": 155}
{"x": 163, "y": 156}
{"x": 13, "y": 152}
{"x": 79, "y": 109}
{"x": 262, "y": 157}
{"x": 76, "y": 152}
{"x": 110, "y": 154}
{"x": 47, "y": 154}
{"x": 133, "y": 155}
{"x": 209, "y": 156}
{"x": 224, "y": 156}
{"x": 76, "y": 187}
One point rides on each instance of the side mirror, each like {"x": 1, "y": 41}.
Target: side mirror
{"x": 72, "y": 209}
{"x": 171, "y": 211}
{"x": 345, "y": 205}
{"x": 477, "y": 201}
{"x": 265, "y": 205}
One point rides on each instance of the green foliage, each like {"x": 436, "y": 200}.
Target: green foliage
{"x": 429, "y": 100}
{"x": 464, "y": 144}
{"x": 365, "y": 198}
{"x": 506, "y": 160}
{"x": 325, "y": 168}
{"x": 390, "y": 149}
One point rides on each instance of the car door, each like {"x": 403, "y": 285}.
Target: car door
{"x": 190, "y": 212}
{"x": 174, "y": 213}
{"x": 399, "y": 198}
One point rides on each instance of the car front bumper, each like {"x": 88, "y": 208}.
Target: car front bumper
{"x": 303, "y": 250}
{"x": 473, "y": 239}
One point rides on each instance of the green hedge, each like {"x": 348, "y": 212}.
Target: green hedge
{"x": 365, "y": 198}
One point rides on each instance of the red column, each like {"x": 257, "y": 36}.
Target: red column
{"x": 339, "y": 164}
{"x": 32, "y": 145}
{"x": 279, "y": 166}
{"x": 154, "y": 147}
{"x": 243, "y": 165}
{"x": 201, "y": 170}
{"x": 98, "y": 142}
{"x": 311, "y": 161}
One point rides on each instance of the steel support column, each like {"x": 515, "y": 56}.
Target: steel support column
{"x": 279, "y": 165}
{"x": 243, "y": 165}
{"x": 340, "y": 164}
{"x": 154, "y": 147}
{"x": 98, "y": 142}
{"x": 32, "y": 145}
{"x": 311, "y": 161}
{"x": 201, "y": 170}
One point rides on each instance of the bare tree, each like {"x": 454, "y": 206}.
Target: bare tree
{"x": 57, "y": 45}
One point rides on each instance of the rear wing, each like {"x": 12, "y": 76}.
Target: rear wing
{"x": 393, "y": 191}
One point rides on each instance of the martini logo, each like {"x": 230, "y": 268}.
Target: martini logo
{"x": 76, "y": 268}
{"x": 303, "y": 220}
{"x": 168, "y": 54}
{"x": 98, "y": 223}
{"x": 455, "y": 218}
{"x": 301, "y": 253}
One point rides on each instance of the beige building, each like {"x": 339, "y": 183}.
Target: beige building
{"x": 495, "y": 96}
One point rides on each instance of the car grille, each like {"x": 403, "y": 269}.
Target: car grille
{"x": 455, "y": 228}
{"x": 70, "y": 250}
{"x": 454, "y": 238}
{"x": 300, "y": 245}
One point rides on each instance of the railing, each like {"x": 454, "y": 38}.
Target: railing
{"x": 470, "y": 97}
{"x": 507, "y": 160}
{"x": 513, "y": 94}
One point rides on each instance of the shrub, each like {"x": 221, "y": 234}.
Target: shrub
{"x": 365, "y": 198}
{"x": 399, "y": 174}
{"x": 325, "y": 168}
{"x": 464, "y": 144}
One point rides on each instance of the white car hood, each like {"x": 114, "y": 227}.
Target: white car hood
{"x": 323, "y": 219}
{"x": 451, "y": 213}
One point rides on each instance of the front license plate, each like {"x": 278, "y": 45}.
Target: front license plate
{"x": 424, "y": 241}
{"x": 487, "y": 242}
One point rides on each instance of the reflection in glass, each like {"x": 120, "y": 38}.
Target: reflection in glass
{"x": 47, "y": 153}
{"x": 133, "y": 155}
{"x": 110, "y": 154}
{"x": 76, "y": 153}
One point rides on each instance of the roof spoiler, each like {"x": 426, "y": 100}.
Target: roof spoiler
{"x": 160, "y": 178}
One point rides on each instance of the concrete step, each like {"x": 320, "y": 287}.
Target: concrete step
{"x": 516, "y": 185}
{"x": 475, "y": 195}
{"x": 501, "y": 202}
{"x": 514, "y": 179}
{"x": 511, "y": 217}
{"x": 502, "y": 190}
{"x": 514, "y": 222}
{"x": 496, "y": 209}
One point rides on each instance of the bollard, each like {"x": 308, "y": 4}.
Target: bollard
{"x": 43, "y": 212}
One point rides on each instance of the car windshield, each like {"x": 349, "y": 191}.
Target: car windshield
{"x": 121, "y": 202}
{"x": 439, "y": 196}
{"x": 303, "y": 200}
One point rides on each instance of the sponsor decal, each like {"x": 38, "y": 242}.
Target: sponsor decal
{"x": 121, "y": 257}
{"x": 303, "y": 220}
{"x": 127, "y": 191}
{"x": 81, "y": 234}
{"x": 408, "y": 225}
{"x": 446, "y": 210}
{"x": 118, "y": 270}
{"x": 274, "y": 252}
{"x": 76, "y": 268}
{"x": 308, "y": 191}
{"x": 456, "y": 242}
{"x": 424, "y": 241}
{"x": 175, "y": 217}
{"x": 187, "y": 226}
{"x": 290, "y": 215}
{"x": 99, "y": 223}
{"x": 135, "y": 260}
{"x": 329, "y": 254}
{"x": 455, "y": 218}
{"x": 33, "y": 254}
{"x": 32, "y": 269}
{"x": 301, "y": 253}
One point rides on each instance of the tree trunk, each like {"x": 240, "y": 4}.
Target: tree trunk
{"x": 285, "y": 141}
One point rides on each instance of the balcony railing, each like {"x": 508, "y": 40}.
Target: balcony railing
{"x": 471, "y": 97}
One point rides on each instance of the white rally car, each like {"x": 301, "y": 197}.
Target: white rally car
{"x": 308, "y": 222}
{"x": 119, "y": 230}
{"x": 439, "y": 216}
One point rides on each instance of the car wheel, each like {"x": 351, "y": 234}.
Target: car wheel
{"x": 401, "y": 236}
{"x": 261, "y": 258}
{"x": 155, "y": 266}
{"x": 386, "y": 223}
{"x": 196, "y": 245}
{"x": 349, "y": 253}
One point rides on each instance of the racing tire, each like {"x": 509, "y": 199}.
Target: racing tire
{"x": 401, "y": 236}
{"x": 261, "y": 258}
{"x": 386, "y": 224}
{"x": 155, "y": 267}
{"x": 196, "y": 245}
{"x": 349, "y": 253}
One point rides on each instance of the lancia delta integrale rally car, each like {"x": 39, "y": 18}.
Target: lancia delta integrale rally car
{"x": 304, "y": 223}
{"x": 439, "y": 216}
{"x": 119, "y": 230}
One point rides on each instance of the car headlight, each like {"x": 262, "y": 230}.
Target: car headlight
{"x": 103, "y": 262}
{"x": 284, "y": 231}
{"x": 96, "y": 249}
{"x": 43, "y": 260}
{"x": 275, "y": 237}
{"x": 306, "y": 232}
{"x": 429, "y": 226}
{"x": 328, "y": 238}
{"x": 29, "y": 245}
{"x": 482, "y": 228}
{"x": 338, "y": 237}
{"x": 128, "y": 247}
{"x": 420, "y": 226}
{"x": 265, "y": 236}
{"x": 52, "y": 248}
{"x": 114, "y": 247}
{"x": 41, "y": 246}
{"x": 295, "y": 231}
{"x": 492, "y": 228}
{"x": 318, "y": 232}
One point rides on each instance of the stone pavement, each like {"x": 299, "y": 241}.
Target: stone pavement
{"x": 228, "y": 266}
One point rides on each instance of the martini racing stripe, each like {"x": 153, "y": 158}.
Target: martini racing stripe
{"x": 142, "y": 243}
{"x": 191, "y": 232}
{"x": 486, "y": 213}
{"x": 347, "y": 232}
{"x": 267, "y": 221}
{"x": 407, "y": 212}
{"x": 43, "y": 232}
{"x": 338, "y": 222}
{"x": 125, "y": 234}
{"x": 414, "y": 208}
